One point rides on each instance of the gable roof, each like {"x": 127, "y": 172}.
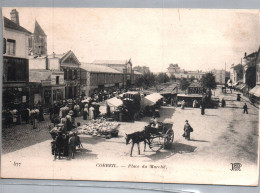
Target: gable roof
{"x": 38, "y": 30}
{"x": 98, "y": 68}
{"x": 14, "y": 26}
{"x": 67, "y": 55}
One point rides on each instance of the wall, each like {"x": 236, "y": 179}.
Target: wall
{"x": 54, "y": 63}
{"x": 37, "y": 63}
{"x": 21, "y": 42}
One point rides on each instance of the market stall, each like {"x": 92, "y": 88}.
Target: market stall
{"x": 152, "y": 99}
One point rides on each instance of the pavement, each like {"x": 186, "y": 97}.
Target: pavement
{"x": 221, "y": 137}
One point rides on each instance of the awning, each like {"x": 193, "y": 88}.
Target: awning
{"x": 114, "y": 102}
{"x": 152, "y": 99}
{"x": 241, "y": 86}
{"x": 255, "y": 91}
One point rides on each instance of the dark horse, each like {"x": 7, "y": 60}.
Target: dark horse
{"x": 138, "y": 137}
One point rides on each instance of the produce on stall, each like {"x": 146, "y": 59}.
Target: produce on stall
{"x": 99, "y": 128}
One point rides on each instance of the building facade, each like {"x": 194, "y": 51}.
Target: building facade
{"x": 70, "y": 65}
{"x": 255, "y": 92}
{"x": 15, "y": 62}
{"x": 141, "y": 69}
{"x": 249, "y": 70}
{"x": 220, "y": 76}
{"x": 177, "y": 72}
{"x": 122, "y": 66}
{"x": 46, "y": 86}
{"x": 96, "y": 78}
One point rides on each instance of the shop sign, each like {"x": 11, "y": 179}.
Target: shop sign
{"x": 46, "y": 82}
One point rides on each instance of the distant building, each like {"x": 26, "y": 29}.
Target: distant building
{"x": 177, "y": 72}
{"x": 220, "y": 76}
{"x": 141, "y": 69}
{"x": 236, "y": 73}
{"x": 255, "y": 92}
{"x": 70, "y": 65}
{"x": 15, "y": 62}
{"x": 38, "y": 41}
{"x": 96, "y": 77}
{"x": 123, "y": 66}
{"x": 46, "y": 86}
{"x": 249, "y": 72}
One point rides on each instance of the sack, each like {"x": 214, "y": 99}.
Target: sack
{"x": 191, "y": 129}
{"x": 183, "y": 135}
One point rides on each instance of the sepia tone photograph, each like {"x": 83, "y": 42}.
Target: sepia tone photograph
{"x": 131, "y": 94}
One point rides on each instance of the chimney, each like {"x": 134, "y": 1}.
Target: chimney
{"x": 245, "y": 54}
{"x": 53, "y": 54}
{"x": 15, "y": 16}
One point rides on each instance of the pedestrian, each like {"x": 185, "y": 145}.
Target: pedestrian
{"x": 85, "y": 113}
{"x": 8, "y": 118}
{"x": 51, "y": 110}
{"x": 202, "y": 107}
{"x": 245, "y": 109}
{"x": 41, "y": 116}
{"x": 91, "y": 113}
{"x": 68, "y": 122}
{"x": 183, "y": 104}
{"x": 72, "y": 145}
{"x": 223, "y": 102}
{"x": 195, "y": 102}
{"x": 187, "y": 130}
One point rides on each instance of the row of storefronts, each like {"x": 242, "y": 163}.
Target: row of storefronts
{"x": 32, "y": 77}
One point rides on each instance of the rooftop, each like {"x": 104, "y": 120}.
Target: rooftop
{"x": 11, "y": 25}
{"x": 98, "y": 69}
{"x": 38, "y": 30}
{"x": 117, "y": 62}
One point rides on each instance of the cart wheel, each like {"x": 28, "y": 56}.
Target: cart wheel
{"x": 157, "y": 143}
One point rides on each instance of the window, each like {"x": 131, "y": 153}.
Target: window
{"x": 57, "y": 80}
{"x": 4, "y": 46}
{"x": 30, "y": 42}
{"x": 10, "y": 47}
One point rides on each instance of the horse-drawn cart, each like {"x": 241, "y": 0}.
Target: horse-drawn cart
{"x": 161, "y": 137}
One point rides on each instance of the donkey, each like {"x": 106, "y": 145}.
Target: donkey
{"x": 138, "y": 137}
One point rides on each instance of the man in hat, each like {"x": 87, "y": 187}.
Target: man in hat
{"x": 187, "y": 130}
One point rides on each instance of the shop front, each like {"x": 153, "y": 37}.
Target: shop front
{"x": 15, "y": 97}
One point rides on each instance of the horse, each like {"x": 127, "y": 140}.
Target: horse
{"x": 138, "y": 137}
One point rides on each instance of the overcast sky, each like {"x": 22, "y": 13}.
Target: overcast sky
{"x": 195, "y": 39}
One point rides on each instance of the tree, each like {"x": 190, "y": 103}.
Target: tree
{"x": 162, "y": 78}
{"x": 184, "y": 84}
{"x": 208, "y": 82}
{"x": 145, "y": 81}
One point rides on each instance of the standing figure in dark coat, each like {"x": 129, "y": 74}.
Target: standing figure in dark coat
{"x": 187, "y": 130}
{"x": 8, "y": 118}
{"x": 245, "y": 109}
{"x": 41, "y": 118}
{"x": 202, "y": 108}
{"x": 223, "y": 102}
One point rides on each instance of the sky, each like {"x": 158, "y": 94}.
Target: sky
{"x": 195, "y": 39}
